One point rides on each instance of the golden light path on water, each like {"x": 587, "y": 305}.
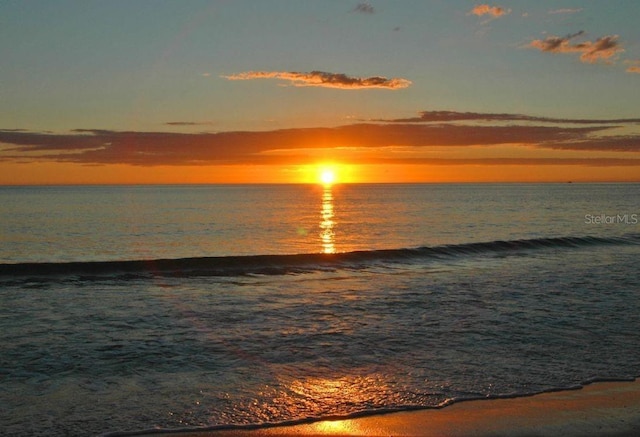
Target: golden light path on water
{"x": 333, "y": 395}
{"x": 347, "y": 389}
{"x": 327, "y": 224}
{"x": 307, "y": 396}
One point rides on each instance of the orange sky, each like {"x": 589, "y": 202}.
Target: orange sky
{"x": 57, "y": 173}
{"x": 436, "y": 146}
{"x": 268, "y": 92}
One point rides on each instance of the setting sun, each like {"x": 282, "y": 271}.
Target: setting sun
{"x": 349, "y": 208}
{"x": 326, "y": 173}
{"x": 327, "y": 176}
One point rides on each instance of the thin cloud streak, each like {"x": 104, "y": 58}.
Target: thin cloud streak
{"x": 189, "y": 123}
{"x": 324, "y": 79}
{"x": 566, "y": 11}
{"x": 587, "y": 162}
{"x": 454, "y": 116}
{"x": 634, "y": 66}
{"x": 602, "y": 49}
{"x": 616, "y": 143}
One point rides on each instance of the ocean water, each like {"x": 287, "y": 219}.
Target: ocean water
{"x": 134, "y": 308}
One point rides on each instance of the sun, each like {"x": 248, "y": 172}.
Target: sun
{"x": 327, "y": 176}
{"x": 325, "y": 173}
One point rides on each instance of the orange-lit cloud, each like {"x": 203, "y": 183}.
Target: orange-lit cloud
{"x": 494, "y": 11}
{"x": 324, "y": 79}
{"x": 602, "y": 49}
{"x": 634, "y": 66}
{"x": 372, "y": 142}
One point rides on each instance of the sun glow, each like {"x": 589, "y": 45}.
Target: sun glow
{"x": 326, "y": 173}
{"x": 329, "y": 173}
{"x": 327, "y": 176}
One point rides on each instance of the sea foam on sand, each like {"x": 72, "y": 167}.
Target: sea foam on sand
{"x": 599, "y": 409}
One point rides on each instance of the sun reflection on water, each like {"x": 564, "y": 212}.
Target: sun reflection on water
{"x": 327, "y": 224}
{"x": 347, "y": 390}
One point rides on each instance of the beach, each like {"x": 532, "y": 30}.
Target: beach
{"x": 319, "y": 218}
{"x": 599, "y": 409}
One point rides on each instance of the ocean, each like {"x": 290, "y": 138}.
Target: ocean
{"x": 152, "y": 308}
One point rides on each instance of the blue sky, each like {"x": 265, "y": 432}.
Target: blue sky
{"x": 131, "y": 65}
{"x": 160, "y": 66}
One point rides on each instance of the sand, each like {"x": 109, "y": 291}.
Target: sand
{"x": 599, "y": 409}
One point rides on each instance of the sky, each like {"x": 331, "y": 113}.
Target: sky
{"x": 273, "y": 91}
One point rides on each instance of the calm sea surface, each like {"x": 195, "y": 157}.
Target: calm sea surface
{"x": 136, "y": 308}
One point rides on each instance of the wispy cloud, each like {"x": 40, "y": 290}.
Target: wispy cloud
{"x": 588, "y": 162}
{"x": 565, "y": 11}
{"x": 455, "y": 116}
{"x": 364, "y": 8}
{"x": 494, "y": 11}
{"x": 188, "y": 123}
{"x": 602, "y": 49}
{"x": 634, "y": 66}
{"x": 614, "y": 143}
{"x": 324, "y": 79}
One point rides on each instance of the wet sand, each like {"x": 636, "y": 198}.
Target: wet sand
{"x": 600, "y": 409}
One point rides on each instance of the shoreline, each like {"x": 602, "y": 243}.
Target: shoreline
{"x": 597, "y": 409}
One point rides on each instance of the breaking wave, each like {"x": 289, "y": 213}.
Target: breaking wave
{"x": 300, "y": 263}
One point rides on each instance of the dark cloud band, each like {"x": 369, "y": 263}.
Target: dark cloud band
{"x": 453, "y": 116}
{"x": 266, "y": 147}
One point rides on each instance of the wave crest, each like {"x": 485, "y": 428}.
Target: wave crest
{"x": 299, "y": 263}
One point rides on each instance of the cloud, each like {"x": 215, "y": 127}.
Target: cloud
{"x": 188, "y": 123}
{"x": 373, "y": 142}
{"x": 634, "y": 66}
{"x": 589, "y": 162}
{"x": 454, "y": 116}
{"x": 364, "y": 8}
{"x": 554, "y": 43}
{"x": 324, "y": 79}
{"x": 292, "y": 146}
{"x": 565, "y": 11}
{"x": 617, "y": 143}
{"x": 494, "y": 11}
{"x": 602, "y": 49}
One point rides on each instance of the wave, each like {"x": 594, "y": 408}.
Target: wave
{"x": 299, "y": 263}
{"x": 257, "y": 427}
